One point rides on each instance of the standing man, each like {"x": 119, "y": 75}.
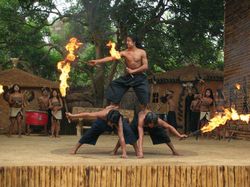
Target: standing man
{"x": 43, "y": 104}
{"x": 171, "y": 117}
{"x": 136, "y": 64}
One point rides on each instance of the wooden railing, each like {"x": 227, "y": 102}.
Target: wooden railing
{"x": 125, "y": 176}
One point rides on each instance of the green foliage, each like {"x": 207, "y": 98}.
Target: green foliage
{"x": 23, "y": 28}
{"x": 173, "y": 32}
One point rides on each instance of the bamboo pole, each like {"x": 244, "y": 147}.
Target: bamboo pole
{"x": 166, "y": 176}
{"x": 138, "y": 175}
{"x": 203, "y": 175}
{"x": 124, "y": 176}
{"x": 220, "y": 176}
{"x": 171, "y": 175}
{"x": 149, "y": 181}
{"x": 154, "y": 176}
{"x": 189, "y": 176}
{"x": 133, "y": 176}
{"x": 103, "y": 176}
{"x": 183, "y": 176}
{"x": 118, "y": 176}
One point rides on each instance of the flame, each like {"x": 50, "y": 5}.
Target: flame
{"x": 237, "y": 86}
{"x": 1, "y": 89}
{"x": 113, "y": 51}
{"x": 64, "y": 66}
{"x": 221, "y": 119}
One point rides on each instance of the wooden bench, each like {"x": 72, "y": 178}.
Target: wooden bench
{"x": 129, "y": 114}
{"x": 238, "y": 130}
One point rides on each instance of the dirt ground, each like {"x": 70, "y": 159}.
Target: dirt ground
{"x": 42, "y": 150}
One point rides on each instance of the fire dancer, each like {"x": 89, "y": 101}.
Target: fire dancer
{"x": 108, "y": 119}
{"x": 16, "y": 102}
{"x": 156, "y": 127}
{"x": 136, "y": 65}
{"x": 156, "y": 131}
{"x": 55, "y": 104}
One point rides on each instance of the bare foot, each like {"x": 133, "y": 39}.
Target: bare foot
{"x": 124, "y": 156}
{"x": 72, "y": 152}
{"x": 113, "y": 153}
{"x": 140, "y": 156}
{"x": 176, "y": 154}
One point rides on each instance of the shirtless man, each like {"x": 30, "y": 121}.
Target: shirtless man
{"x": 43, "y": 100}
{"x": 136, "y": 64}
{"x": 108, "y": 119}
{"x": 43, "y": 103}
{"x": 156, "y": 128}
{"x": 171, "y": 117}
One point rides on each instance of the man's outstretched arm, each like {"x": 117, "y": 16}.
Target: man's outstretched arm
{"x": 98, "y": 114}
{"x": 171, "y": 128}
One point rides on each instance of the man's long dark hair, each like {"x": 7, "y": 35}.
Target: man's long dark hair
{"x": 136, "y": 40}
{"x": 114, "y": 116}
{"x": 151, "y": 117}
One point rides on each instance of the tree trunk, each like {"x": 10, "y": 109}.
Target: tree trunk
{"x": 99, "y": 79}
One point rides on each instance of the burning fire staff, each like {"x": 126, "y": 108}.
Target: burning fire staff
{"x": 136, "y": 65}
{"x": 108, "y": 119}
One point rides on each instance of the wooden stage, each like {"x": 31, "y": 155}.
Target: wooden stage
{"x": 43, "y": 161}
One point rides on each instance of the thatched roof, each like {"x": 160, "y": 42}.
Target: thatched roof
{"x": 188, "y": 73}
{"x": 24, "y": 79}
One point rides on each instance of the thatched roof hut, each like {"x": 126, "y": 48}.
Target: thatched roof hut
{"x": 27, "y": 81}
{"x": 187, "y": 73}
{"x": 24, "y": 79}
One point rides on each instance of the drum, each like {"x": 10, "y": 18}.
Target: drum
{"x": 36, "y": 117}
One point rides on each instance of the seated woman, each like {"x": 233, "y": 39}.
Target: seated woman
{"x": 108, "y": 119}
{"x": 16, "y": 103}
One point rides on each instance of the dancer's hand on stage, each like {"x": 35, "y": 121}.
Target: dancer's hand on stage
{"x": 130, "y": 71}
{"x": 140, "y": 155}
{"x": 92, "y": 62}
{"x": 124, "y": 156}
{"x": 183, "y": 136}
